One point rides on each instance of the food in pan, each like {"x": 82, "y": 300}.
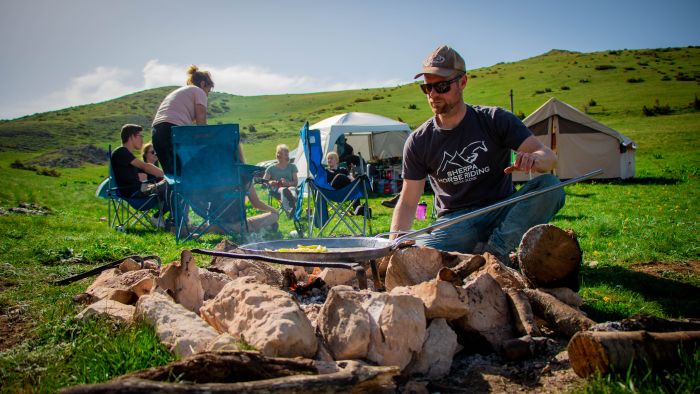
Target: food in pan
{"x": 305, "y": 249}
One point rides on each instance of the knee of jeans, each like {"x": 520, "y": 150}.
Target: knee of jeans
{"x": 546, "y": 180}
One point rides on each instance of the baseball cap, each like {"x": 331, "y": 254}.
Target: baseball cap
{"x": 443, "y": 61}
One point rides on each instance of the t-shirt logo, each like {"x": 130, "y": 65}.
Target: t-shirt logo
{"x": 459, "y": 167}
{"x": 466, "y": 156}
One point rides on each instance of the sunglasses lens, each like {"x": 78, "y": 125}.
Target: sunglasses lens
{"x": 425, "y": 87}
{"x": 442, "y": 87}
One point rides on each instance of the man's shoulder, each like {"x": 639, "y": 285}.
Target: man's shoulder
{"x": 427, "y": 127}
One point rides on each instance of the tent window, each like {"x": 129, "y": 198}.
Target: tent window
{"x": 568, "y": 127}
{"x": 539, "y": 128}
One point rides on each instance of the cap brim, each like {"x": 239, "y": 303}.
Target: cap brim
{"x": 442, "y": 72}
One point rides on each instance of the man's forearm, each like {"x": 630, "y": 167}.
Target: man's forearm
{"x": 546, "y": 160}
{"x": 403, "y": 217}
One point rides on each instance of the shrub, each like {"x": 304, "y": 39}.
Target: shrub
{"x": 565, "y": 87}
{"x": 665, "y": 78}
{"x": 521, "y": 115}
{"x": 412, "y": 106}
{"x": 635, "y": 80}
{"x": 643, "y": 64}
{"x": 630, "y": 68}
{"x": 696, "y": 103}
{"x": 521, "y": 77}
{"x": 548, "y": 90}
{"x": 252, "y": 128}
{"x": 377, "y": 97}
{"x": 657, "y": 109}
{"x": 585, "y": 80}
{"x": 361, "y": 100}
{"x": 681, "y": 76}
{"x": 592, "y": 103}
{"x": 602, "y": 67}
{"x": 48, "y": 172}
{"x": 539, "y": 91}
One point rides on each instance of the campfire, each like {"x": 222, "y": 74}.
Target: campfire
{"x": 434, "y": 305}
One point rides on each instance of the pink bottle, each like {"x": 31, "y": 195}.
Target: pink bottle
{"x": 421, "y": 210}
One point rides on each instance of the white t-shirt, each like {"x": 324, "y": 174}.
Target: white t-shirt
{"x": 178, "y": 106}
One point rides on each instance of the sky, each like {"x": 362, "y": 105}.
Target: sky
{"x": 62, "y": 53}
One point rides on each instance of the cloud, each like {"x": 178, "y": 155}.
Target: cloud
{"x": 106, "y": 83}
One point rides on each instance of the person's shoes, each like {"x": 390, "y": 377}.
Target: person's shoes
{"x": 360, "y": 211}
{"x": 391, "y": 203}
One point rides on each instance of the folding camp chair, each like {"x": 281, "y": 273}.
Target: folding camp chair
{"x": 210, "y": 182}
{"x": 128, "y": 212}
{"x": 327, "y": 208}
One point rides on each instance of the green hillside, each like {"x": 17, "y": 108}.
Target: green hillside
{"x": 612, "y": 86}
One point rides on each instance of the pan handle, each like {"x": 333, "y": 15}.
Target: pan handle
{"x": 500, "y": 204}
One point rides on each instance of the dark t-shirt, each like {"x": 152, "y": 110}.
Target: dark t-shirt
{"x": 465, "y": 165}
{"x": 125, "y": 175}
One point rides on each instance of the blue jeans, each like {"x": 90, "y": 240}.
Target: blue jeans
{"x": 501, "y": 229}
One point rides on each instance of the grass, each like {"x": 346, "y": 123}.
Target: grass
{"x": 639, "y": 236}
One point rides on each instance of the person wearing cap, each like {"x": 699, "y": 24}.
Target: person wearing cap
{"x": 464, "y": 151}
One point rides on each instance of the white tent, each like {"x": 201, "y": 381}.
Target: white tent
{"x": 582, "y": 144}
{"x": 373, "y": 136}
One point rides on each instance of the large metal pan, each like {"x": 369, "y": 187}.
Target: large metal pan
{"x": 356, "y": 249}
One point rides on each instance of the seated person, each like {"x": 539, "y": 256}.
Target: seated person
{"x": 338, "y": 178}
{"x": 148, "y": 154}
{"x": 284, "y": 179}
{"x": 126, "y": 168}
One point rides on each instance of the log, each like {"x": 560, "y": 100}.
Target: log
{"x": 350, "y": 376}
{"x": 463, "y": 269}
{"x": 591, "y": 351}
{"x": 561, "y": 317}
{"x": 550, "y": 257}
{"x": 522, "y": 313}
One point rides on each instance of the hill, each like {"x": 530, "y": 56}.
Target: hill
{"x": 612, "y": 86}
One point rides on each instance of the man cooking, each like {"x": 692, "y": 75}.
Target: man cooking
{"x": 465, "y": 150}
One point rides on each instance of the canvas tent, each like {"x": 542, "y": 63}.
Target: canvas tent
{"x": 581, "y": 143}
{"x": 373, "y": 136}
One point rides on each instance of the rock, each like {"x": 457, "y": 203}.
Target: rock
{"x": 238, "y": 268}
{"x": 267, "y": 317}
{"x": 212, "y": 283}
{"x": 129, "y": 265}
{"x": 181, "y": 330}
{"x": 397, "y": 328}
{"x": 441, "y": 299}
{"x": 344, "y": 324}
{"x": 223, "y": 343}
{"x": 151, "y": 265}
{"x": 337, "y": 276}
{"x": 112, "y": 309}
{"x": 108, "y": 293}
{"x": 488, "y": 313}
{"x": 410, "y": 266}
{"x": 311, "y": 311}
{"x": 180, "y": 279}
{"x": 435, "y": 358}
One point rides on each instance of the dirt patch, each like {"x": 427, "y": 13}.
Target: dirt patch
{"x": 26, "y": 208}
{"x": 685, "y": 271}
{"x": 548, "y": 373}
{"x": 13, "y": 323}
{"x": 72, "y": 157}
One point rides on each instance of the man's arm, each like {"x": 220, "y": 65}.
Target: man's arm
{"x": 257, "y": 203}
{"x": 405, "y": 208}
{"x": 147, "y": 168}
{"x": 533, "y": 155}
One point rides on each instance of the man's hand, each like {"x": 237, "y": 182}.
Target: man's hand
{"x": 523, "y": 162}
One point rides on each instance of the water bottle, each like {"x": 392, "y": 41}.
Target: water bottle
{"x": 421, "y": 210}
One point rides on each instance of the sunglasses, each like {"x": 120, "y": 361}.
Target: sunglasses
{"x": 440, "y": 87}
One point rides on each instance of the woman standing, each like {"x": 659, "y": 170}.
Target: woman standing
{"x": 184, "y": 106}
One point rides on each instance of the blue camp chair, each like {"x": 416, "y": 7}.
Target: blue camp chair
{"x": 210, "y": 182}
{"x": 128, "y": 212}
{"x": 327, "y": 209}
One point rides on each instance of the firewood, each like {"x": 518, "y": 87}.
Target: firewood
{"x": 248, "y": 372}
{"x": 550, "y": 257}
{"x": 522, "y": 313}
{"x": 459, "y": 272}
{"x": 561, "y": 317}
{"x": 591, "y": 351}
